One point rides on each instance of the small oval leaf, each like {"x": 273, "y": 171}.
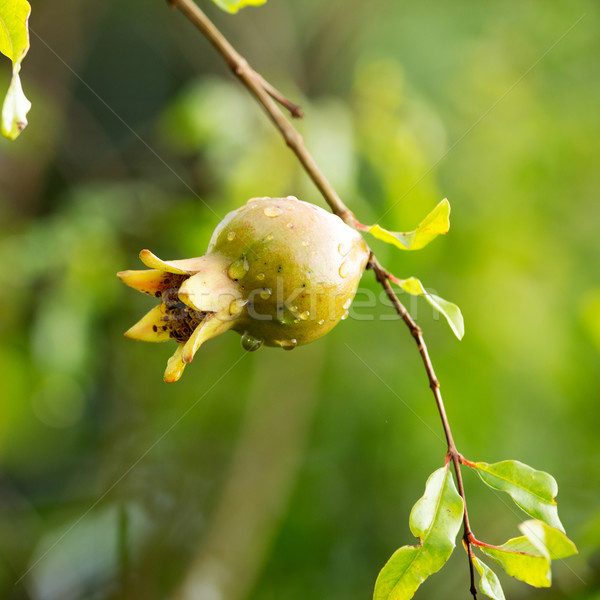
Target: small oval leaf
{"x": 232, "y": 6}
{"x": 449, "y": 310}
{"x": 489, "y": 583}
{"x": 435, "y": 519}
{"x": 532, "y": 491}
{"x": 435, "y": 223}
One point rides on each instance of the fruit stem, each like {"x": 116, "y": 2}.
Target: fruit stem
{"x": 268, "y": 97}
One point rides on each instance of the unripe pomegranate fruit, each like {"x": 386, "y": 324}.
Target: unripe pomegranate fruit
{"x": 279, "y": 271}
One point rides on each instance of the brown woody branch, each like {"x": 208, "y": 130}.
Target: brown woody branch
{"x": 268, "y": 97}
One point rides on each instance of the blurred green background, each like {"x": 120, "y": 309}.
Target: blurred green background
{"x": 291, "y": 475}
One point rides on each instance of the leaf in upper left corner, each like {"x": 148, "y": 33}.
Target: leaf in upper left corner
{"x": 435, "y": 519}
{"x": 437, "y": 222}
{"x": 14, "y": 43}
{"x": 232, "y": 6}
{"x": 449, "y": 310}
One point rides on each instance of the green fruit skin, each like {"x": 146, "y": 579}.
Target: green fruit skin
{"x": 308, "y": 258}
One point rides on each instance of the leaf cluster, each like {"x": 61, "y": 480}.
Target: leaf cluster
{"x": 436, "y": 518}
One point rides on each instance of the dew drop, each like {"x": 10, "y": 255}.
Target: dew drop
{"x": 345, "y": 316}
{"x": 321, "y": 321}
{"x": 344, "y": 269}
{"x": 288, "y": 344}
{"x": 342, "y": 249}
{"x": 265, "y": 293}
{"x": 231, "y": 236}
{"x": 290, "y": 226}
{"x": 238, "y": 268}
{"x": 236, "y": 307}
{"x": 347, "y": 303}
{"x": 292, "y": 198}
{"x": 260, "y": 276}
{"x": 303, "y": 316}
{"x": 269, "y": 238}
{"x": 250, "y": 343}
{"x": 304, "y": 243}
{"x": 272, "y": 211}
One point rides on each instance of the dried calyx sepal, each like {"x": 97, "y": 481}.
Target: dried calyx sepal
{"x": 279, "y": 271}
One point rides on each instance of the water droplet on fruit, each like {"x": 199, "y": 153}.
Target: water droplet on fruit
{"x": 342, "y": 249}
{"x": 344, "y": 269}
{"x": 266, "y": 293}
{"x": 250, "y": 343}
{"x": 288, "y": 344}
{"x": 304, "y": 243}
{"x": 290, "y": 226}
{"x": 269, "y": 238}
{"x": 347, "y": 304}
{"x": 321, "y": 321}
{"x": 238, "y": 268}
{"x": 345, "y": 316}
{"x": 303, "y": 316}
{"x": 272, "y": 211}
{"x": 231, "y": 236}
{"x": 236, "y": 307}
{"x": 260, "y": 276}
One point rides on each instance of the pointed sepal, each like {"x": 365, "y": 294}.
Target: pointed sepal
{"x": 151, "y": 327}
{"x": 186, "y": 266}
{"x": 212, "y": 326}
{"x": 175, "y": 366}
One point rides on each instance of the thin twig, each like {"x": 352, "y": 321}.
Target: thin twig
{"x": 383, "y": 277}
{"x": 254, "y": 83}
{"x": 294, "y": 110}
{"x": 267, "y": 96}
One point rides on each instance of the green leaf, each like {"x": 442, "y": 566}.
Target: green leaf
{"x": 435, "y": 223}
{"x": 489, "y": 583}
{"x": 452, "y": 313}
{"x": 435, "y": 519}
{"x": 522, "y": 560}
{"x": 232, "y": 6}
{"x": 533, "y": 491}
{"x": 14, "y": 43}
{"x": 549, "y": 541}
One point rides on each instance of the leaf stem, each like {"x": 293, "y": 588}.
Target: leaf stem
{"x": 268, "y": 96}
